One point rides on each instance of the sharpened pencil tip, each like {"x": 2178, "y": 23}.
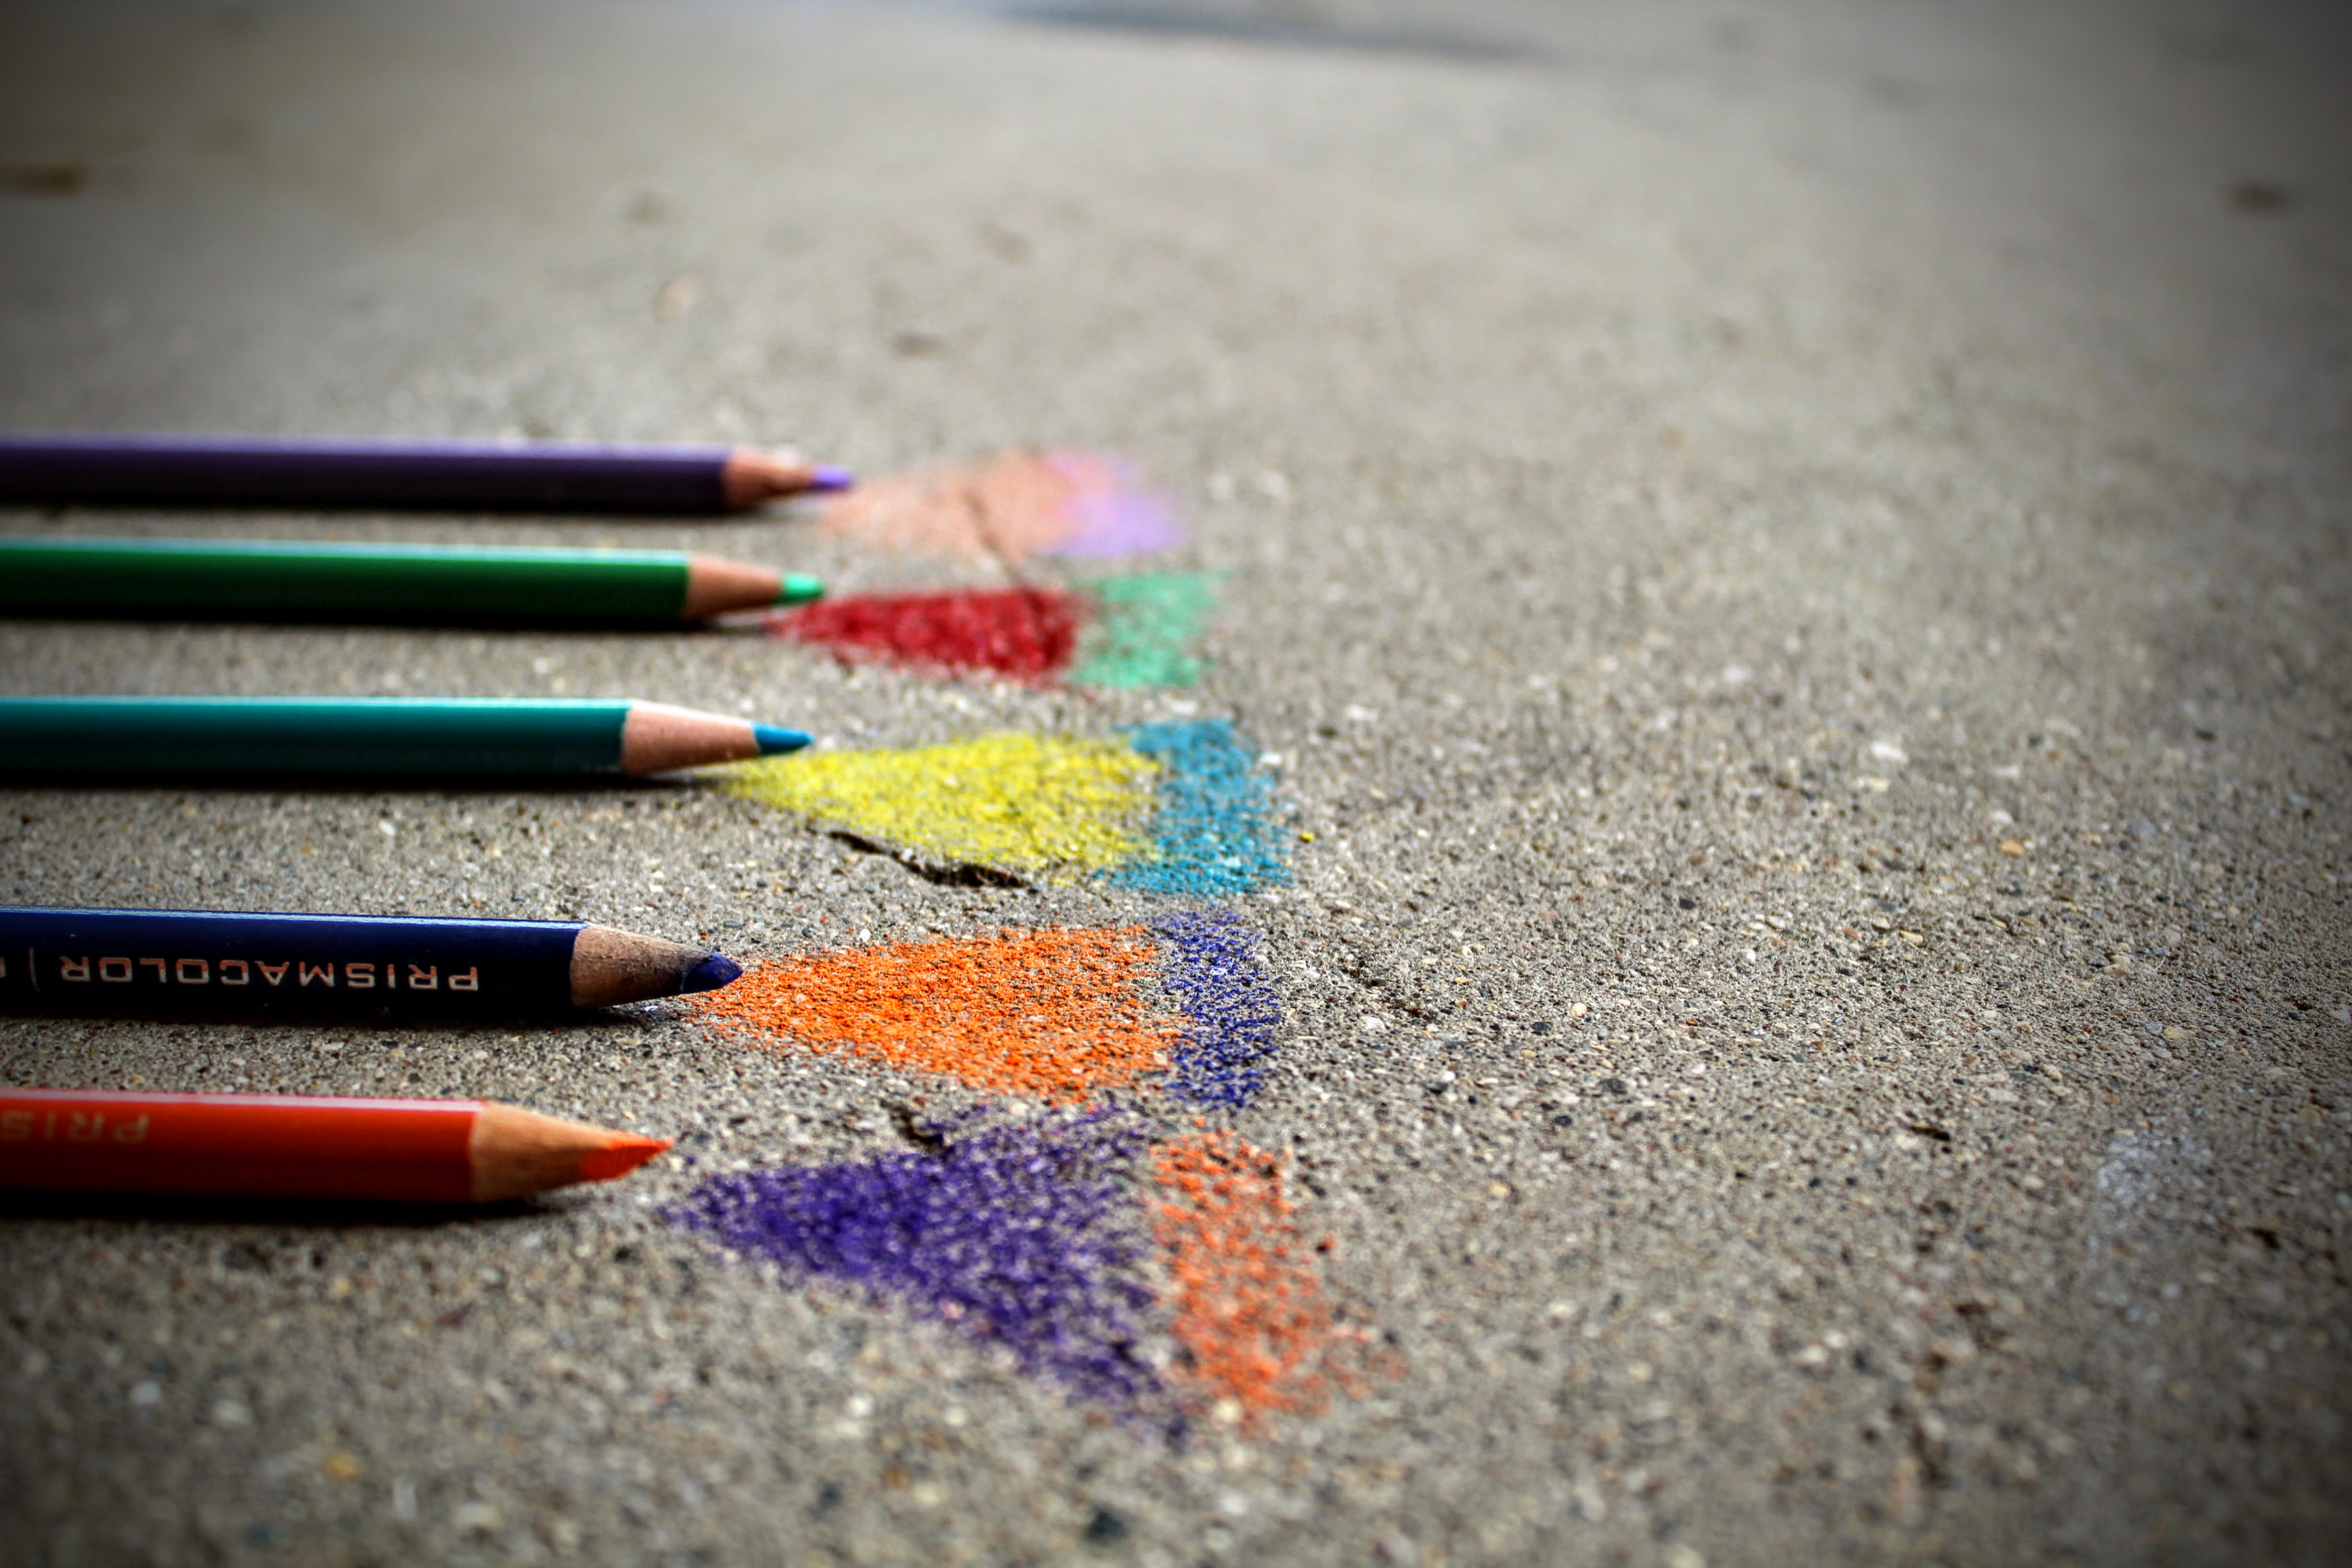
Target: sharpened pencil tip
{"x": 800, "y": 588}
{"x": 830, "y": 477}
{"x": 712, "y": 973}
{"x": 619, "y": 1157}
{"x": 775, "y": 737}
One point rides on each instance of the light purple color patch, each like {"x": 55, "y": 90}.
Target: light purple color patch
{"x": 1111, "y": 511}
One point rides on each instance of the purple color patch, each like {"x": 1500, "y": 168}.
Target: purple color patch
{"x": 1110, "y": 511}
{"x": 1230, "y": 1004}
{"x": 1025, "y": 1235}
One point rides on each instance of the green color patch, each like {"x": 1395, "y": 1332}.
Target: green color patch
{"x": 1144, "y": 628}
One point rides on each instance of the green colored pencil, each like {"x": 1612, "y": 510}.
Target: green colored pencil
{"x": 188, "y": 577}
{"x": 181, "y": 737}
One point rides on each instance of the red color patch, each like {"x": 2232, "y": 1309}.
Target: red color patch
{"x": 1025, "y": 633}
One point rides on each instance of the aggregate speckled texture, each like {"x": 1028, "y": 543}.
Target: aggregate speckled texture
{"x": 1691, "y": 483}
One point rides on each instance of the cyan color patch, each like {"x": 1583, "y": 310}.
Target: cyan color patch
{"x": 1215, "y": 834}
{"x": 1231, "y": 1007}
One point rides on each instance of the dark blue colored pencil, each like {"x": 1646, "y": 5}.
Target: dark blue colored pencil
{"x": 179, "y": 963}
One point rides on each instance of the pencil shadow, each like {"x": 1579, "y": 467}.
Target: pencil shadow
{"x": 1229, "y": 25}
{"x": 149, "y": 1208}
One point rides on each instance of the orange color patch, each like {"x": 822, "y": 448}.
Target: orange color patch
{"x": 1052, "y": 1013}
{"x": 1250, "y": 1313}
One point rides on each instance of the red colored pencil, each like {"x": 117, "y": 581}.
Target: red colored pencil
{"x": 260, "y": 1145}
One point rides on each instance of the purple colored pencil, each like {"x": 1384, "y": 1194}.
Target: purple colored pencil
{"x": 448, "y": 475}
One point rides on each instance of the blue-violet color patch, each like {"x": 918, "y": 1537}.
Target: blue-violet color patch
{"x": 1231, "y": 1007}
{"x": 1023, "y": 1233}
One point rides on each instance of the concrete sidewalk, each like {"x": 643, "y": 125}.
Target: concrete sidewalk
{"x": 1792, "y": 559}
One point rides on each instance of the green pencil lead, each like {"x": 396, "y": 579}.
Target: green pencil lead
{"x": 800, "y": 588}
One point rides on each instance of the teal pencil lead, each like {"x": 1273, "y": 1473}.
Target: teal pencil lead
{"x": 774, "y": 738}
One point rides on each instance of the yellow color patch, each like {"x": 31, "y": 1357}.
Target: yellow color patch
{"x": 1052, "y": 805}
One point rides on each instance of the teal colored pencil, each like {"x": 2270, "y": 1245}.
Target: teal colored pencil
{"x": 191, "y": 577}
{"x": 188, "y": 736}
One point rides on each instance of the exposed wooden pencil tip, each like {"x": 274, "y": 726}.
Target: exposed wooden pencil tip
{"x": 657, "y": 738}
{"x": 751, "y": 476}
{"x": 714, "y": 587}
{"x": 619, "y": 1157}
{"x": 610, "y": 967}
{"x": 516, "y": 1154}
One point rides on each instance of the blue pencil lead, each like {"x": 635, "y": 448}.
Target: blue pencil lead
{"x": 712, "y": 973}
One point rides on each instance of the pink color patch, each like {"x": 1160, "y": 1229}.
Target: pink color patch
{"x": 1022, "y": 634}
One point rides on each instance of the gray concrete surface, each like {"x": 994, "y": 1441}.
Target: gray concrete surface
{"x": 1696, "y": 479}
